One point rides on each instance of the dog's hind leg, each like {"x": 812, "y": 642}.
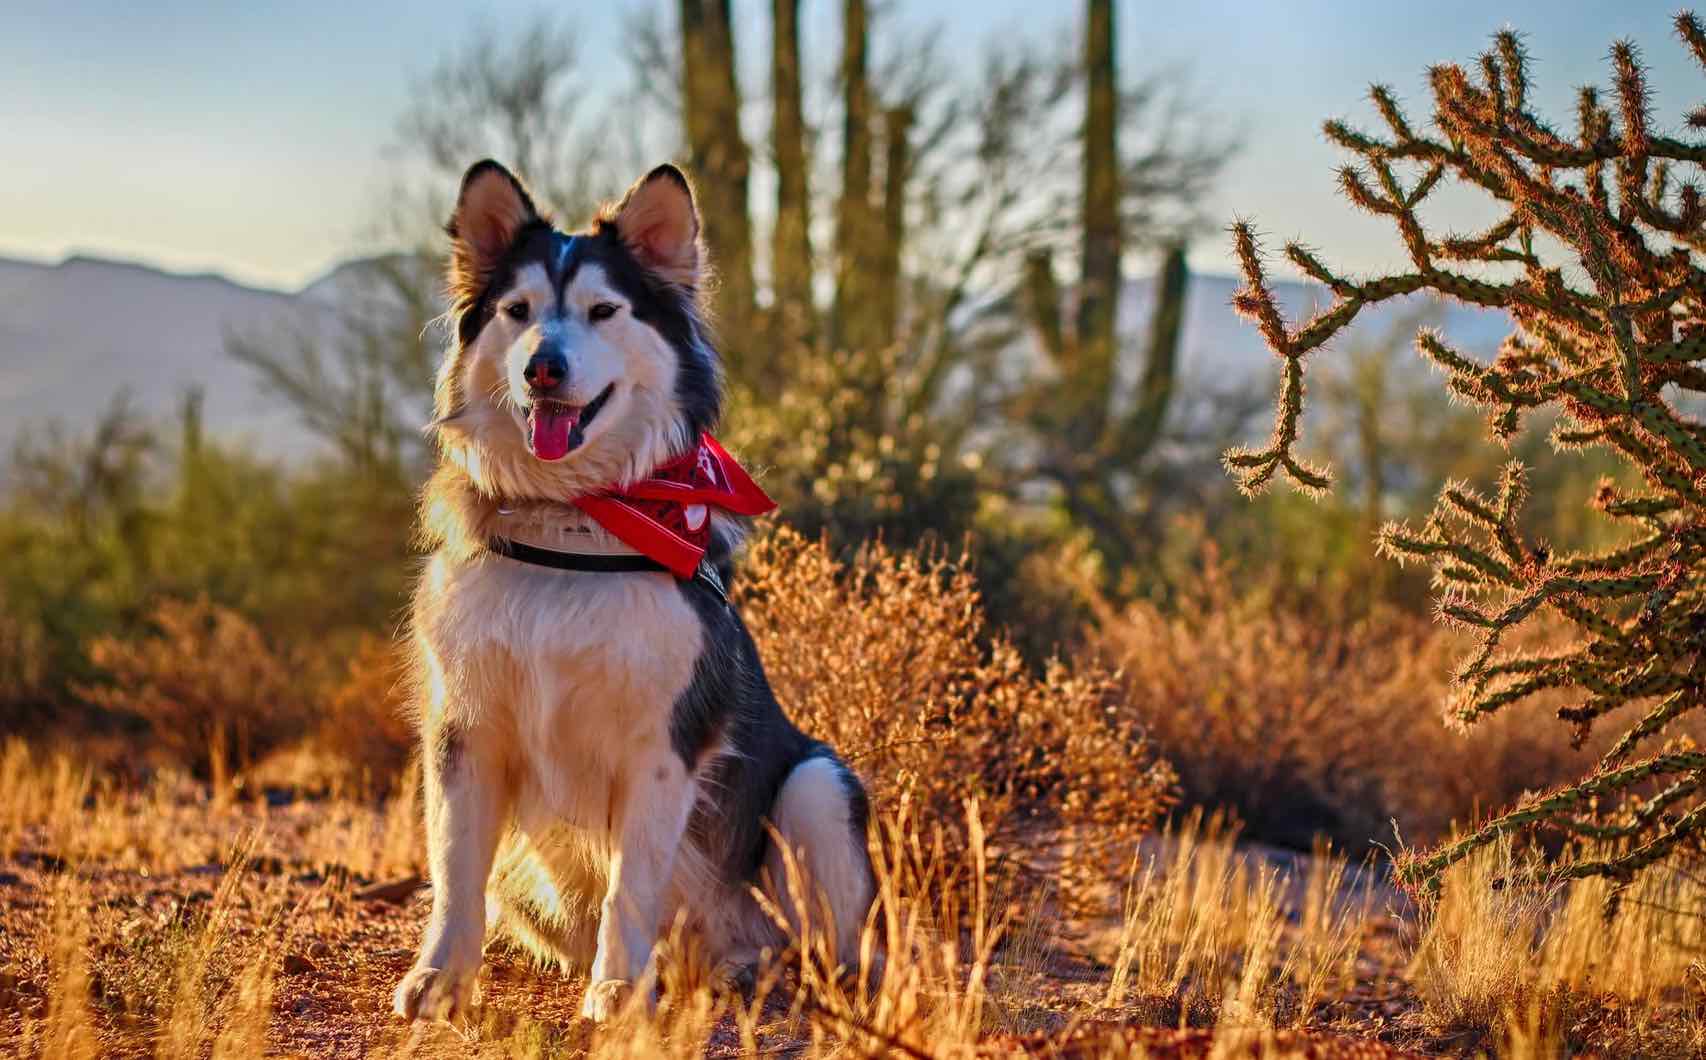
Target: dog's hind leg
{"x": 821, "y": 813}
{"x": 545, "y": 898}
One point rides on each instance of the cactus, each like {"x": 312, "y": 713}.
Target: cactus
{"x": 1090, "y": 445}
{"x": 711, "y": 102}
{"x": 1092, "y": 441}
{"x": 1099, "y": 290}
{"x": 851, "y": 322}
{"x": 1623, "y": 204}
{"x": 794, "y": 320}
{"x": 898, "y": 121}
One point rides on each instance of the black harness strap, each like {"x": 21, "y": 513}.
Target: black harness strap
{"x": 600, "y": 564}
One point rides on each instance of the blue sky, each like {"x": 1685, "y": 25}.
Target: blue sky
{"x": 248, "y": 138}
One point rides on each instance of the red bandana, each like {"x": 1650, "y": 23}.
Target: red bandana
{"x": 667, "y": 516}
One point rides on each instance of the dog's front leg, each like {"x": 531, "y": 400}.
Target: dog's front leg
{"x": 467, "y": 801}
{"x": 652, "y": 807}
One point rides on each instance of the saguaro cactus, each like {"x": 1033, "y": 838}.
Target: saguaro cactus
{"x": 794, "y": 320}
{"x": 1098, "y": 295}
{"x": 1617, "y": 356}
{"x": 851, "y": 321}
{"x": 1090, "y": 434}
{"x": 1088, "y": 439}
{"x": 721, "y": 164}
{"x": 897, "y": 166}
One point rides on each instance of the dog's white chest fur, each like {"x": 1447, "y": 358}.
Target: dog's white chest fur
{"x": 583, "y": 669}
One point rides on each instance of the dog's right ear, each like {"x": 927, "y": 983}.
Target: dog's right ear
{"x": 491, "y": 209}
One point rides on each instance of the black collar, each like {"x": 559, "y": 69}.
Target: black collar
{"x": 597, "y": 563}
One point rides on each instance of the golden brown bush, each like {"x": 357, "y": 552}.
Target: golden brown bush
{"x": 214, "y": 693}
{"x": 1307, "y": 723}
{"x": 887, "y": 657}
{"x": 366, "y": 719}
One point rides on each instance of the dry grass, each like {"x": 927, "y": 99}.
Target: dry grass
{"x": 270, "y": 946}
{"x": 1023, "y": 907}
{"x": 249, "y": 928}
{"x": 1202, "y": 932}
{"x": 1506, "y": 962}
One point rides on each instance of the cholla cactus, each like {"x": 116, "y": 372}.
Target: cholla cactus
{"x": 1617, "y": 353}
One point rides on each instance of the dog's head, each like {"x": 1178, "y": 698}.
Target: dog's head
{"x": 579, "y": 360}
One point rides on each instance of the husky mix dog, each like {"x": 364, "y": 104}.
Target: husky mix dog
{"x": 603, "y": 755}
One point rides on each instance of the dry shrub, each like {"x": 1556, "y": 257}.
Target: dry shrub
{"x": 214, "y": 693}
{"x": 887, "y": 657}
{"x": 1308, "y": 724}
{"x": 366, "y": 722}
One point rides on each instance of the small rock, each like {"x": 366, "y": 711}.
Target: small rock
{"x": 268, "y": 865}
{"x": 297, "y": 964}
{"x": 10, "y": 879}
{"x": 44, "y": 860}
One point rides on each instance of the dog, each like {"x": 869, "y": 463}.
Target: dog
{"x": 602, "y": 755}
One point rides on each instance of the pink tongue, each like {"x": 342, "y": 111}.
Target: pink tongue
{"x": 552, "y": 425}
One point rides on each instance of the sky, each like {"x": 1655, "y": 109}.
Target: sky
{"x": 249, "y": 139}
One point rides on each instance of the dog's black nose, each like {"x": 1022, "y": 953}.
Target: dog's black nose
{"x": 545, "y": 370}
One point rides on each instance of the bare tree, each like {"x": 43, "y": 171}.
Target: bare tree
{"x": 514, "y": 96}
{"x": 358, "y": 368}
{"x": 358, "y": 365}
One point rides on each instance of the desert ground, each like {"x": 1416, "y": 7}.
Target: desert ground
{"x": 157, "y": 920}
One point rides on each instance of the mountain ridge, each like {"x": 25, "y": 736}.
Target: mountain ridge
{"x": 74, "y": 332}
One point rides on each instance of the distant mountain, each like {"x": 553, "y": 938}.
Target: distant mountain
{"x": 73, "y": 334}
{"x": 1220, "y": 348}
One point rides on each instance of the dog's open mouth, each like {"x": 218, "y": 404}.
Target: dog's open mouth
{"x": 556, "y": 428}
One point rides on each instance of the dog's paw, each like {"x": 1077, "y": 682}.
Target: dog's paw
{"x": 434, "y": 994}
{"x": 735, "y": 977}
{"x": 605, "y": 998}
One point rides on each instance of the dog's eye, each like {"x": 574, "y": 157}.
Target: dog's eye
{"x": 601, "y": 311}
{"x": 517, "y": 310}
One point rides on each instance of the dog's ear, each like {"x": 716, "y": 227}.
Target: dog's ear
{"x": 491, "y": 209}
{"x": 659, "y": 223}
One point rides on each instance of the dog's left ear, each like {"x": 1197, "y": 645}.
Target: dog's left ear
{"x": 659, "y": 223}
